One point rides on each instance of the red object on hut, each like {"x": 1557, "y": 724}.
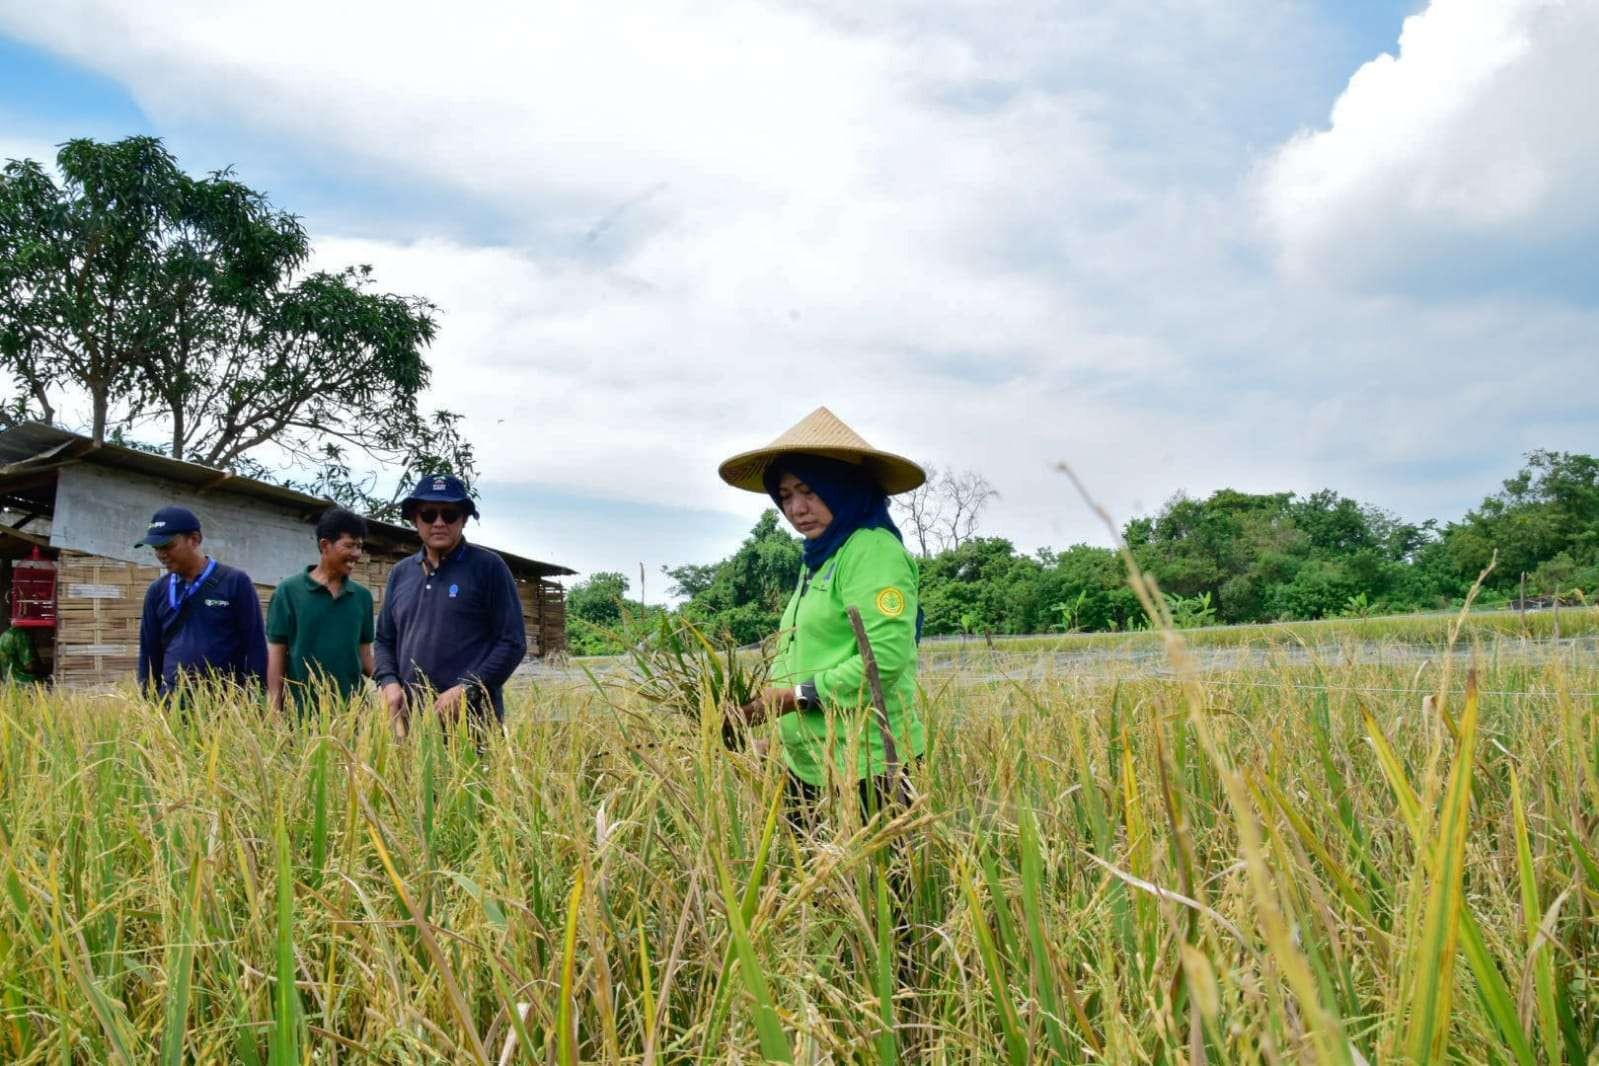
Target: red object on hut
{"x": 33, "y": 592}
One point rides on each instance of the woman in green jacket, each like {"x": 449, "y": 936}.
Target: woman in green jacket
{"x": 833, "y": 488}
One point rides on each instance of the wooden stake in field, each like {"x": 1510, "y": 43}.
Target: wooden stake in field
{"x": 874, "y": 681}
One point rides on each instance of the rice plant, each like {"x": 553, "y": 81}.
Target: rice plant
{"x": 678, "y": 668}
{"x": 1306, "y": 855}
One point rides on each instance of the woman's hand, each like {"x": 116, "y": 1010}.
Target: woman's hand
{"x": 771, "y": 703}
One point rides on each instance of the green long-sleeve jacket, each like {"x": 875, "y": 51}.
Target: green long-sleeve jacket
{"x": 874, "y": 572}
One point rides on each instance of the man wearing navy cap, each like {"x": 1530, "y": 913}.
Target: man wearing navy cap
{"x": 202, "y": 619}
{"x": 450, "y": 632}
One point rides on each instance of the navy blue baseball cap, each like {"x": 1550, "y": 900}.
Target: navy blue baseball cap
{"x": 438, "y": 488}
{"x": 166, "y": 524}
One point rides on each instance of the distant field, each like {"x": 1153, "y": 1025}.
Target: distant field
{"x": 1545, "y": 624}
{"x": 1410, "y": 628}
{"x": 1276, "y": 857}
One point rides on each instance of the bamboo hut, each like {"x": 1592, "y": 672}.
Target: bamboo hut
{"x": 81, "y": 506}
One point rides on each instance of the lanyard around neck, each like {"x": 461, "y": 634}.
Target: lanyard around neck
{"x": 172, "y": 586}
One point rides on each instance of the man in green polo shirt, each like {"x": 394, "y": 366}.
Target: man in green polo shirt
{"x": 319, "y": 626}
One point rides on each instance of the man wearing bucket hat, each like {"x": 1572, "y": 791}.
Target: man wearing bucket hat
{"x": 202, "y": 619}
{"x": 833, "y": 487}
{"x": 450, "y": 632}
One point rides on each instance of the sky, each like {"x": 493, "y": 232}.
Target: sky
{"x": 1178, "y": 244}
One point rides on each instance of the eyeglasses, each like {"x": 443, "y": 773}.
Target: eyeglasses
{"x": 433, "y": 514}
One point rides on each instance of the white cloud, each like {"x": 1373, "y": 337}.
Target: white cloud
{"x": 987, "y": 239}
{"x": 585, "y": 106}
{"x": 1477, "y": 140}
{"x": 24, "y": 148}
{"x": 578, "y": 380}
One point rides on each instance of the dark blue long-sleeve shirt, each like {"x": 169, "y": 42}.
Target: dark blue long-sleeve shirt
{"x": 458, "y": 625}
{"x": 219, "y": 631}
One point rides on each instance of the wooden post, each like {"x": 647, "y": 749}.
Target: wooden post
{"x": 874, "y": 681}
{"x": 1522, "y": 603}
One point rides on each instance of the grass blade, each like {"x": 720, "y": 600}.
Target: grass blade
{"x": 566, "y": 1020}
{"x": 1538, "y": 957}
{"x": 1492, "y": 990}
{"x": 774, "y": 1041}
{"x": 1010, "y": 1023}
{"x": 888, "y": 1041}
{"x": 284, "y": 1049}
{"x": 1434, "y": 957}
{"x": 430, "y": 944}
{"x": 319, "y": 813}
{"x": 180, "y": 968}
{"x": 1043, "y": 967}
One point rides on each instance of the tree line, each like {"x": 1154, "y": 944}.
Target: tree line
{"x": 1231, "y": 557}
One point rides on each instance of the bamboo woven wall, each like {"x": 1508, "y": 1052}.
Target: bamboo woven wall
{"x": 373, "y": 572}
{"x": 98, "y": 603}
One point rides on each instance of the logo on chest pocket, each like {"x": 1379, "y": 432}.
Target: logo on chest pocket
{"x": 455, "y": 590}
{"x": 824, "y": 580}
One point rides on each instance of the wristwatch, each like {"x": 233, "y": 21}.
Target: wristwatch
{"x": 806, "y": 697}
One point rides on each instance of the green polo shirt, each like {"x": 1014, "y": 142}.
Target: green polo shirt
{"x": 874, "y": 572}
{"x": 324, "y": 632}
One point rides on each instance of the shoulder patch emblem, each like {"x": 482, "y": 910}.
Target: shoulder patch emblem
{"x": 891, "y": 602}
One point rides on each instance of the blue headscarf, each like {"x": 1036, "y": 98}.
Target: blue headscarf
{"x": 850, "y": 492}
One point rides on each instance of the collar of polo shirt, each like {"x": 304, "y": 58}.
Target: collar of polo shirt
{"x": 422, "y": 557}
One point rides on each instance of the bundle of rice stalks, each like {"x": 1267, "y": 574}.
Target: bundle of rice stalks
{"x": 679, "y": 667}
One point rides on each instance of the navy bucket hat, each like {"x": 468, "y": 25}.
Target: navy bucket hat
{"x": 438, "y": 488}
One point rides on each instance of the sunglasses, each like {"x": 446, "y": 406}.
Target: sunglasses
{"x": 433, "y": 514}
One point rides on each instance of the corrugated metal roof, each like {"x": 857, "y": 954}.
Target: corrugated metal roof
{"x": 34, "y": 446}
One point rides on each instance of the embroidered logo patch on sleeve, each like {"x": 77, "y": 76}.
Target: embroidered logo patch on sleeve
{"x": 891, "y": 602}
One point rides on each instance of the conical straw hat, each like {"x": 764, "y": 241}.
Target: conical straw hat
{"x": 822, "y": 433}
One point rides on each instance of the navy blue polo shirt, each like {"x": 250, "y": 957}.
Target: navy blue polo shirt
{"x": 213, "y": 627}
{"x": 459, "y": 624}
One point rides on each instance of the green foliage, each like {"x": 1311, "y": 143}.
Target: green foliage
{"x": 1232, "y": 557}
{"x": 178, "y": 305}
{"x": 742, "y": 597}
{"x": 1357, "y": 606}
{"x": 598, "y": 599}
{"x": 1544, "y": 523}
{"x": 1071, "y": 612}
{"x": 1191, "y": 612}
{"x": 690, "y": 579}
{"x": 601, "y": 620}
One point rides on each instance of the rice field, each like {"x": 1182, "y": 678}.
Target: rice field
{"x": 1296, "y": 855}
{"x": 1424, "y": 628}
